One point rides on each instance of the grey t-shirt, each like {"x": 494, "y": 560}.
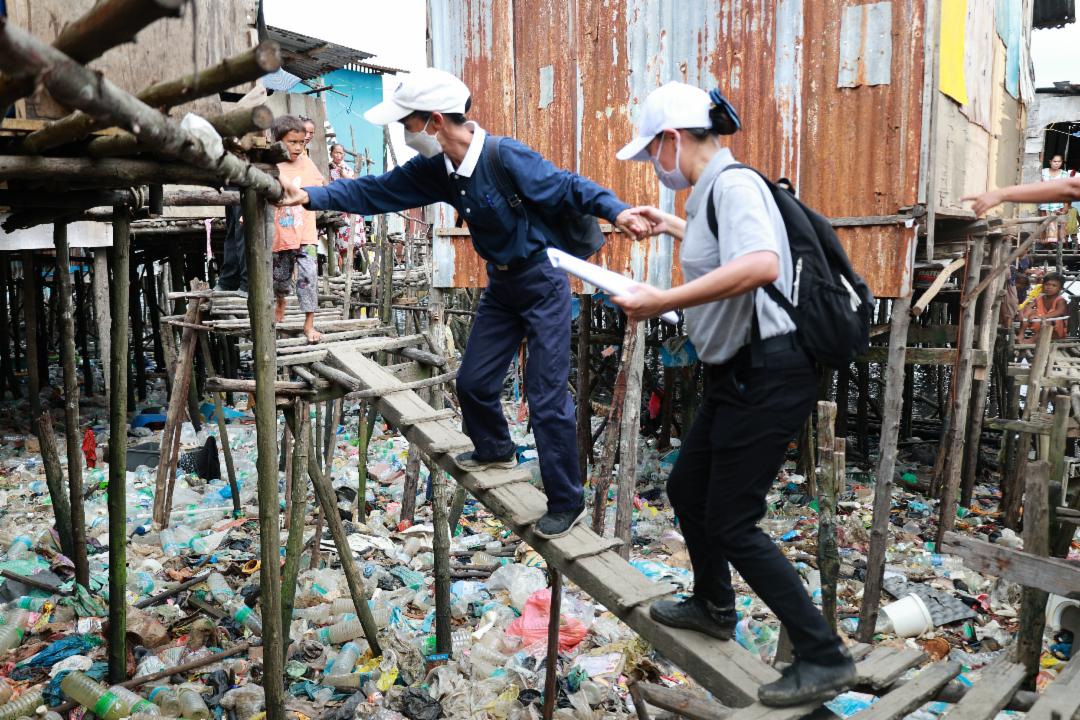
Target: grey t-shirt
{"x": 748, "y": 221}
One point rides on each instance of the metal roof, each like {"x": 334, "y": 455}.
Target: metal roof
{"x": 1053, "y": 13}
{"x": 308, "y": 57}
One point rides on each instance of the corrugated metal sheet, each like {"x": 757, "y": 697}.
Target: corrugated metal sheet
{"x": 307, "y": 57}
{"x": 866, "y": 45}
{"x": 568, "y": 78}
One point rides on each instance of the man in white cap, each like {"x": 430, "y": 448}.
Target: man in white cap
{"x": 526, "y": 298}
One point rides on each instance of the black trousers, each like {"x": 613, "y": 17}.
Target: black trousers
{"x": 728, "y": 462}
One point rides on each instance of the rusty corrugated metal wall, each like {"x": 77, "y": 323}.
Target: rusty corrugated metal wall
{"x": 568, "y": 77}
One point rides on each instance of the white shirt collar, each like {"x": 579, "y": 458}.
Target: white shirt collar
{"x": 472, "y": 155}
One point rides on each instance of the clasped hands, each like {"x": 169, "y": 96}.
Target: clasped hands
{"x": 645, "y": 221}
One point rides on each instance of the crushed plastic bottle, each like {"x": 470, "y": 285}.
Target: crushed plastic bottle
{"x": 165, "y": 698}
{"x": 114, "y": 703}
{"x": 220, "y": 589}
{"x": 192, "y": 705}
{"x": 25, "y": 705}
{"x": 345, "y": 661}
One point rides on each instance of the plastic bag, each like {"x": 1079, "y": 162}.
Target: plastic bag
{"x": 520, "y": 580}
{"x": 532, "y": 626}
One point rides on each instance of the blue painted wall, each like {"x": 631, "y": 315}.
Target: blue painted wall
{"x": 362, "y": 91}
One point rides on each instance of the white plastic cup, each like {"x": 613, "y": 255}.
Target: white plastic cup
{"x": 909, "y": 616}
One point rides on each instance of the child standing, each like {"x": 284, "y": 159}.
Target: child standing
{"x": 295, "y": 236}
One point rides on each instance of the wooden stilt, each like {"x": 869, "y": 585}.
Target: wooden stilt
{"x": 890, "y": 427}
{"x": 294, "y": 544}
{"x": 412, "y": 479}
{"x": 605, "y": 467}
{"x": 30, "y": 315}
{"x": 843, "y": 391}
{"x": 100, "y": 281}
{"x": 119, "y": 260}
{"x": 71, "y": 405}
{"x": 82, "y": 322}
{"x": 223, "y": 430}
{"x": 441, "y": 550}
{"x": 365, "y": 425}
{"x": 11, "y": 287}
{"x": 551, "y": 674}
{"x": 1013, "y": 491}
{"x": 908, "y": 405}
{"x": 862, "y": 411}
{"x": 828, "y": 558}
{"x": 630, "y": 430}
{"x": 7, "y": 377}
{"x": 265, "y": 367}
{"x": 584, "y": 382}
{"x": 1029, "y": 640}
{"x": 150, "y": 291}
{"x": 961, "y": 398}
{"x": 138, "y": 336}
{"x": 808, "y": 457}
{"x": 1061, "y": 533}
{"x": 54, "y": 478}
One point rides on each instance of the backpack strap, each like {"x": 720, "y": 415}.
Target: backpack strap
{"x": 507, "y": 188}
{"x": 756, "y": 353}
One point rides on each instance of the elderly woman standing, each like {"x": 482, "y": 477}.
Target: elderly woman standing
{"x": 755, "y": 402}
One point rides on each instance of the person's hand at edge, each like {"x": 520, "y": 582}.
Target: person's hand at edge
{"x": 643, "y": 302}
{"x": 292, "y": 196}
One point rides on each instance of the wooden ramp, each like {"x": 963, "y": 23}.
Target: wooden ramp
{"x": 729, "y": 672}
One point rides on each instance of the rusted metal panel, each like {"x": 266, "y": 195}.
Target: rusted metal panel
{"x": 866, "y": 45}
{"x": 883, "y": 254}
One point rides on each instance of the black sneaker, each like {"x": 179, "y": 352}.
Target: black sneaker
{"x": 556, "y": 524}
{"x": 695, "y": 613}
{"x": 469, "y": 461}
{"x": 805, "y": 682}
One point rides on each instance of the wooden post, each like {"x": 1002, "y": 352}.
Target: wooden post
{"x": 71, "y": 405}
{"x": 54, "y": 478}
{"x": 890, "y": 428}
{"x": 82, "y": 321}
{"x": 1036, "y": 534}
{"x": 118, "y": 291}
{"x": 30, "y": 280}
{"x": 987, "y": 307}
{"x": 828, "y": 488}
{"x": 365, "y": 425}
{"x": 1013, "y": 490}
{"x": 629, "y": 430}
{"x": 150, "y": 292}
{"x": 386, "y": 277}
{"x": 294, "y": 545}
{"x": 100, "y": 282}
{"x": 440, "y": 547}
{"x": 606, "y": 465}
{"x": 223, "y": 428}
{"x": 961, "y": 397}
{"x": 843, "y": 390}
{"x": 584, "y": 379}
{"x": 552, "y": 671}
{"x": 263, "y": 353}
{"x": 7, "y": 377}
{"x": 138, "y": 335}
{"x": 862, "y": 411}
{"x": 1062, "y": 532}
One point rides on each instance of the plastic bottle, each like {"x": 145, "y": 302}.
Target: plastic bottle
{"x": 346, "y": 660}
{"x": 25, "y": 704}
{"x": 192, "y": 705}
{"x": 177, "y": 540}
{"x": 485, "y": 660}
{"x": 315, "y": 613}
{"x": 112, "y": 703}
{"x": 19, "y": 548}
{"x": 17, "y": 616}
{"x": 11, "y": 635}
{"x": 343, "y": 605}
{"x": 341, "y": 632}
{"x": 220, "y": 588}
{"x": 167, "y": 699}
{"x": 142, "y": 582}
{"x": 34, "y": 604}
{"x": 245, "y": 616}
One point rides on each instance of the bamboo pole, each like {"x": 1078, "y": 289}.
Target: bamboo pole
{"x": 54, "y": 479}
{"x": 294, "y": 544}
{"x": 23, "y": 55}
{"x": 104, "y": 26}
{"x": 250, "y": 65}
{"x": 71, "y": 406}
{"x": 890, "y": 429}
{"x": 551, "y": 674}
{"x": 256, "y": 231}
{"x": 629, "y": 430}
{"x": 29, "y": 286}
{"x": 117, "y": 501}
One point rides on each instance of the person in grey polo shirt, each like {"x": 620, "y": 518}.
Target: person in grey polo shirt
{"x": 760, "y": 385}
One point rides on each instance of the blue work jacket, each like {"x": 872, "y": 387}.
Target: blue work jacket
{"x": 500, "y": 234}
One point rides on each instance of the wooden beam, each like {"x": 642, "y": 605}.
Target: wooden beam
{"x": 104, "y": 26}
{"x": 922, "y": 356}
{"x": 76, "y": 200}
{"x": 682, "y": 701}
{"x": 120, "y": 173}
{"x": 998, "y": 270}
{"x": 250, "y": 65}
{"x": 1052, "y": 575}
{"x": 23, "y": 55}
{"x": 935, "y": 287}
{"x": 238, "y": 122}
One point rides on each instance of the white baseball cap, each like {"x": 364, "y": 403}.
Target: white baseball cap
{"x": 427, "y": 90}
{"x": 673, "y": 106}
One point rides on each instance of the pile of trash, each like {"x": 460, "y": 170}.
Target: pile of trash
{"x": 194, "y": 647}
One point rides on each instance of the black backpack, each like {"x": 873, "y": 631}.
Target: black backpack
{"x": 832, "y": 306}
{"x": 575, "y": 233}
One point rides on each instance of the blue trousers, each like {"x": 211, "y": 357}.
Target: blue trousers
{"x": 531, "y": 302}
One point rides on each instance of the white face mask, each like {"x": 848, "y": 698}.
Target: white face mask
{"x": 421, "y": 142}
{"x": 673, "y": 179}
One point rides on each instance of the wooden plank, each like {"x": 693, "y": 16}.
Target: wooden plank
{"x": 427, "y": 417}
{"x": 1035, "y": 427}
{"x": 1053, "y": 575}
{"x": 884, "y": 665}
{"x": 489, "y": 479}
{"x": 922, "y": 356}
{"x": 726, "y": 670}
{"x": 990, "y": 694}
{"x": 685, "y": 702}
{"x": 1061, "y": 698}
{"x": 904, "y": 700}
